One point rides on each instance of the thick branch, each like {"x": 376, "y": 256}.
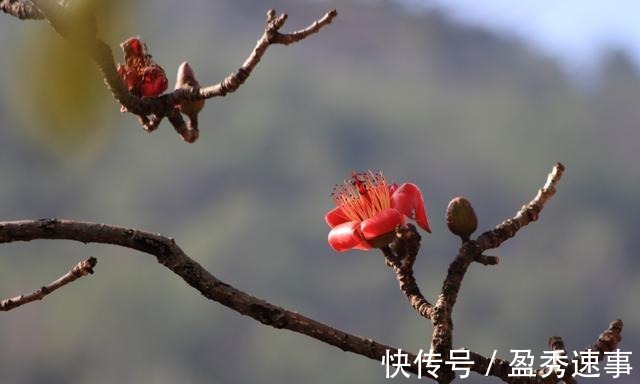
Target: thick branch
{"x": 400, "y": 256}
{"x": 169, "y": 254}
{"x": 66, "y": 24}
{"x": 81, "y": 269}
{"x": 487, "y": 260}
{"x": 270, "y": 36}
{"x": 557, "y": 344}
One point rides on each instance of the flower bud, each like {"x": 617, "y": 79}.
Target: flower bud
{"x": 187, "y": 79}
{"x": 135, "y": 50}
{"x": 461, "y": 218}
{"x": 185, "y": 76}
{"x": 142, "y": 76}
{"x": 154, "y": 81}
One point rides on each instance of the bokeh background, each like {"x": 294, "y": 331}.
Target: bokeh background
{"x": 442, "y": 94}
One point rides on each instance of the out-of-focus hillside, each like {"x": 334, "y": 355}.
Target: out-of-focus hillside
{"x": 457, "y": 110}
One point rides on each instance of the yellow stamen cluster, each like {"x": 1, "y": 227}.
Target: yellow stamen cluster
{"x": 363, "y": 196}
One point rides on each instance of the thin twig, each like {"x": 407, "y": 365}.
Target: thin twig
{"x": 170, "y": 255}
{"x": 528, "y": 213}
{"x": 471, "y": 251}
{"x": 557, "y": 344}
{"x": 81, "y": 269}
{"x": 164, "y": 105}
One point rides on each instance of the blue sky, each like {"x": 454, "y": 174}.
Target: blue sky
{"x": 575, "y": 30}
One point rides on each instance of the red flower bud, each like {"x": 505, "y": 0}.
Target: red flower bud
{"x": 141, "y": 75}
{"x": 154, "y": 81}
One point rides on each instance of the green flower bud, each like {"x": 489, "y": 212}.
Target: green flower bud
{"x": 461, "y": 218}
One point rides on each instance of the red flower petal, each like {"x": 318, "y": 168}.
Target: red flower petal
{"x": 154, "y": 81}
{"x": 347, "y": 236}
{"x": 408, "y": 200}
{"x": 335, "y": 217}
{"x": 383, "y": 222}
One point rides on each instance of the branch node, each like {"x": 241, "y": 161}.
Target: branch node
{"x": 487, "y": 260}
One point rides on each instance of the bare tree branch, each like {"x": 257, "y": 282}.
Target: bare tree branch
{"x": 170, "y": 255}
{"x": 400, "y": 255}
{"x": 471, "y": 251}
{"x": 151, "y": 111}
{"x": 81, "y": 269}
{"x": 528, "y": 213}
{"x": 607, "y": 342}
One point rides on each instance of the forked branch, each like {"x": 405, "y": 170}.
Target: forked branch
{"x": 399, "y": 256}
{"x": 151, "y": 110}
{"x": 607, "y": 342}
{"x": 471, "y": 251}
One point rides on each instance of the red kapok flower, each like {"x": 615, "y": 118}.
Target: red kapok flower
{"x": 142, "y": 76}
{"x": 369, "y": 209}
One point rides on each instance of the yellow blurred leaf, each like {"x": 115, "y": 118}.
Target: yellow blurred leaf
{"x": 59, "y": 95}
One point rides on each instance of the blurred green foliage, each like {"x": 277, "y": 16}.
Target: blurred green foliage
{"x": 459, "y": 111}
